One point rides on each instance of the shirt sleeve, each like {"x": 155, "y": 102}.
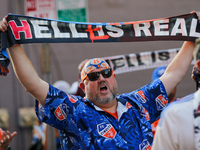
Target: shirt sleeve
{"x": 152, "y": 99}
{"x": 59, "y": 107}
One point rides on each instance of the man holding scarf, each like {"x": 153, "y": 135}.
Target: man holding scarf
{"x": 102, "y": 119}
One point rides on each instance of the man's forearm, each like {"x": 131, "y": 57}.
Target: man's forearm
{"x": 27, "y": 74}
{"x": 178, "y": 68}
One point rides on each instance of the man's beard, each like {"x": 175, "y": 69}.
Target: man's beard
{"x": 105, "y": 100}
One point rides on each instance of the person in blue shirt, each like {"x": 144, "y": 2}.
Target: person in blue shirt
{"x": 102, "y": 119}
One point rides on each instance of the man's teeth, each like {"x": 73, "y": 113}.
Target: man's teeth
{"x": 103, "y": 87}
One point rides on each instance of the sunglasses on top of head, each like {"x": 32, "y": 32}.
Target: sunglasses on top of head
{"x": 93, "y": 76}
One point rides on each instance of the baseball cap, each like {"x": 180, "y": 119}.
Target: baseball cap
{"x": 158, "y": 72}
{"x": 91, "y": 65}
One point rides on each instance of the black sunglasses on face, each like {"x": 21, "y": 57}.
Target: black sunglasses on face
{"x": 93, "y": 76}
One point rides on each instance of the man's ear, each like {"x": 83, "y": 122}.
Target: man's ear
{"x": 82, "y": 86}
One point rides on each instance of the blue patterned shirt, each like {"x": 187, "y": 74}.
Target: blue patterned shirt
{"x": 82, "y": 125}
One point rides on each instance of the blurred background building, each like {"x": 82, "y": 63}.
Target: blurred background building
{"x": 16, "y": 103}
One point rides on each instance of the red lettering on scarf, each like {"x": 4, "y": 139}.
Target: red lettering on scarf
{"x": 92, "y": 37}
{"x": 17, "y": 29}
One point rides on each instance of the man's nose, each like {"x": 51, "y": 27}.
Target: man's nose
{"x": 101, "y": 77}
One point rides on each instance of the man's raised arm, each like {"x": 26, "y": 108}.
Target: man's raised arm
{"x": 25, "y": 71}
{"x": 178, "y": 68}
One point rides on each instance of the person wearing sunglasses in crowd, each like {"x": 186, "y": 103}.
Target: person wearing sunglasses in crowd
{"x": 102, "y": 119}
{"x": 179, "y": 126}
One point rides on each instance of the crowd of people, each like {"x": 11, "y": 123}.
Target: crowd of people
{"x": 103, "y": 119}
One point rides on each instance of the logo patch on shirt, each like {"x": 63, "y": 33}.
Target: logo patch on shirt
{"x": 40, "y": 107}
{"x": 145, "y": 145}
{"x": 60, "y": 112}
{"x": 140, "y": 96}
{"x": 146, "y": 114}
{"x": 106, "y": 130}
{"x": 161, "y": 102}
{"x": 72, "y": 98}
{"x": 128, "y": 105}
